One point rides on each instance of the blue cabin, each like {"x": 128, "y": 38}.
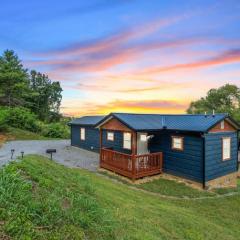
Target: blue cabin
{"x": 201, "y": 148}
{"x": 84, "y": 134}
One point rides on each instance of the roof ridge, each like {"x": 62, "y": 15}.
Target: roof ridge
{"x": 159, "y": 114}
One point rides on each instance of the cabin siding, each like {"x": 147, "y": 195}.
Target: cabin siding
{"x": 117, "y": 144}
{"x": 91, "y": 141}
{"x": 214, "y": 165}
{"x": 187, "y": 163}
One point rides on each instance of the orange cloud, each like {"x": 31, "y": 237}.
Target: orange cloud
{"x": 149, "y": 106}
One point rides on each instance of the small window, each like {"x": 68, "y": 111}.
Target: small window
{"x": 143, "y": 137}
{"x": 222, "y": 124}
{"x": 226, "y": 148}
{"x": 110, "y": 136}
{"x": 127, "y": 140}
{"x": 177, "y": 143}
{"x": 82, "y": 133}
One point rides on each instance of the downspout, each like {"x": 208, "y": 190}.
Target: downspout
{"x": 203, "y": 174}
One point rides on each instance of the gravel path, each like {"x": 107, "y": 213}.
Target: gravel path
{"x": 66, "y": 154}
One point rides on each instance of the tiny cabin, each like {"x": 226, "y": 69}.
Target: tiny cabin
{"x": 201, "y": 148}
{"x": 84, "y": 134}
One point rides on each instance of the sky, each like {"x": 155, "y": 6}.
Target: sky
{"x": 126, "y": 55}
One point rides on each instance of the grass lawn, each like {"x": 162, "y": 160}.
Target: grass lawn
{"x": 19, "y": 134}
{"x": 40, "y": 199}
{"x": 166, "y": 187}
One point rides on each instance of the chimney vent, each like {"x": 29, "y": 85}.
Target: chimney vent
{"x": 213, "y": 113}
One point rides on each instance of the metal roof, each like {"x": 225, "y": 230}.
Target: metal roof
{"x": 183, "y": 122}
{"x": 86, "y": 120}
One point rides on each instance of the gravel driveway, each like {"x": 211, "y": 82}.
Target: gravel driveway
{"x": 66, "y": 154}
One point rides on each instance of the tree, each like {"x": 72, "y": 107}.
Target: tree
{"x": 45, "y": 98}
{"x": 225, "y": 99}
{"x": 13, "y": 80}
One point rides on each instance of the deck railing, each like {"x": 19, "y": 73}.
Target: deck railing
{"x": 132, "y": 166}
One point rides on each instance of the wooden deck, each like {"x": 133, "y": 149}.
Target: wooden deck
{"x": 131, "y": 166}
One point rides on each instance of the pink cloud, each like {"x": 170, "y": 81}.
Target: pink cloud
{"x": 230, "y": 56}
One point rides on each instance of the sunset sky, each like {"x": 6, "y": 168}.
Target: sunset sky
{"x": 126, "y": 56}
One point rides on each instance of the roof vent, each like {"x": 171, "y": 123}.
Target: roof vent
{"x": 164, "y": 122}
{"x": 213, "y": 113}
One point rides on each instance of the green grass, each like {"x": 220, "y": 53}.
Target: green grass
{"x": 173, "y": 188}
{"x": 40, "y": 199}
{"x": 166, "y": 187}
{"x": 19, "y": 134}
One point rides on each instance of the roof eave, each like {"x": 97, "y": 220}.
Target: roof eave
{"x": 109, "y": 117}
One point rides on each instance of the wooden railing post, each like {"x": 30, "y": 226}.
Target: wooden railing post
{"x": 100, "y": 150}
{"x": 133, "y": 167}
{"x": 134, "y": 152}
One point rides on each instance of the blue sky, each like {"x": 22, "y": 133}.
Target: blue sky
{"x": 135, "y": 56}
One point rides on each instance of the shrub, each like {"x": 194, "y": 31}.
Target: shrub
{"x": 21, "y": 118}
{"x": 3, "y": 119}
{"x": 56, "y": 130}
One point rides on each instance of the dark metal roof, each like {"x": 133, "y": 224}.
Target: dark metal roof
{"x": 86, "y": 120}
{"x": 184, "y": 122}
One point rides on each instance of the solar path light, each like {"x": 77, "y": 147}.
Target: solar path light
{"x": 12, "y": 152}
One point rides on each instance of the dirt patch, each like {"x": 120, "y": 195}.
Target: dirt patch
{"x": 66, "y": 204}
{"x": 5, "y": 137}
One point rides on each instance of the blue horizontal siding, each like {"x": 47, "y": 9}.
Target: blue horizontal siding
{"x": 117, "y": 144}
{"x": 91, "y": 141}
{"x": 187, "y": 163}
{"x": 214, "y": 166}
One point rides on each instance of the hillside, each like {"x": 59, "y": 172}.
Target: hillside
{"x": 40, "y": 199}
{"x": 19, "y": 134}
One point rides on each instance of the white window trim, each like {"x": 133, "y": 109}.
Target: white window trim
{"x": 127, "y": 141}
{"x": 181, "y": 143}
{"x": 110, "y": 136}
{"x": 228, "y": 157}
{"x": 82, "y": 133}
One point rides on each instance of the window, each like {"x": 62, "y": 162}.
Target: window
{"x": 127, "y": 140}
{"x": 82, "y": 133}
{"x": 226, "y": 148}
{"x": 110, "y": 136}
{"x": 222, "y": 124}
{"x": 143, "y": 137}
{"x": 177, "y": 143}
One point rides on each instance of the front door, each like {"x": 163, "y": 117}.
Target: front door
{"x": 142, "y": 143}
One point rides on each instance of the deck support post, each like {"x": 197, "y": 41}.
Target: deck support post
{"x": 100, "y": 150}
{"x": 134, "y": 152}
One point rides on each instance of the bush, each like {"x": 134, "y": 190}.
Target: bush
{"x": 20, "y": 118}
{"x": 3, "y": 119}
{"x": 56, "y": 130}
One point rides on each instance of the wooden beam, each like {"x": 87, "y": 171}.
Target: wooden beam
{"x": 100, "y": 141}
{"x": 134, "y": 152}
{"x": 134, "y": 143}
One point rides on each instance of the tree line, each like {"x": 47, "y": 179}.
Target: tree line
{"x": 225, "y": 99}
{"x": 33, "y": 90}
{"x": 29, "y": 100}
